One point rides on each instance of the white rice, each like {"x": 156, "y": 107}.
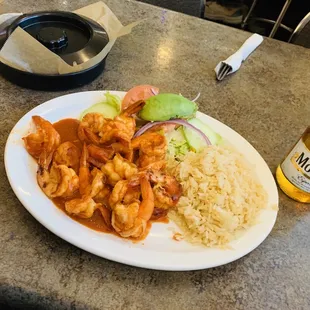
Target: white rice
{"x": 221, "y": 195}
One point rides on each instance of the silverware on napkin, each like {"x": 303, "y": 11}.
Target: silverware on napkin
{"x": 233, "y": 63}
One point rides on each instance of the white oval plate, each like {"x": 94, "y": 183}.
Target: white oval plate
{"x": 158, "y": 250}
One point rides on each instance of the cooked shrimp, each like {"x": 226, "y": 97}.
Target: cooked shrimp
{"x": 103, "y": 195}
{"x": 118, "y": 192}
{"x": 157, "y": 165}
{"x": 152, "y": 148}
{"x": 67, "y": 154}
{"x": 97, "y": 184}
{"x": 118, "y": 169}
{"x": 133, "y": 108}
{"x": 106, "y": 214}
{"x": 91, "y": 183}
{"x": 152, "y": 144}
{"x": 131, "y": 220}
{"x": 133, "y": 193}
{"x": 121, "y": 128}
{"x": 45, "y": 139}
{"x": 117, "y": 130}
{"x": 60, "y": 181}
{"x": 92, "y": 186}
{"x": 125, "y": 191}
{"x": 90, "y": 127}
{"x": 167, "y": 189}
{"x": 84, "y": 173}
{"x": 98, "y": 130}
{"x": 99, "y": 154}
{"x": 82, "y": 207}
{"x": 125, "y": 151}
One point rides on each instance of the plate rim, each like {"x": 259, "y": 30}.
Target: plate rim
{"x": 110, "y": 256}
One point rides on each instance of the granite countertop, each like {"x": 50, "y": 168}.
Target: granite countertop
{"x": 267, "y": 102}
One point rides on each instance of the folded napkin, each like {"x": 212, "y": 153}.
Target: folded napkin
{"x": 235, "y": 60}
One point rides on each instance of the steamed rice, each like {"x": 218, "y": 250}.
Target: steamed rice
{"x": 221, "y": 195}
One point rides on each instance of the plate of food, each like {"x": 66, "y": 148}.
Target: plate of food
{"x": 141, "y": 178}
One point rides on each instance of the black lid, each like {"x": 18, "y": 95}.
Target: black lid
{"x": 74, "y": 38}
{"x": 53, "y": 38}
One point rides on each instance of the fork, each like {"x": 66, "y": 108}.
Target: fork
{"x": 233, "y": 63}
{"x": 224, "y": 70}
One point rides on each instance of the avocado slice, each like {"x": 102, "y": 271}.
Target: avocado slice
{"x": 163, "y": 107}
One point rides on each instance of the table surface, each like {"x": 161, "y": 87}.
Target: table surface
{"x": 266, "y": 101}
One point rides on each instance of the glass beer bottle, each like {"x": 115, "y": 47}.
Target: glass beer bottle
{"x": 293, "y": 174}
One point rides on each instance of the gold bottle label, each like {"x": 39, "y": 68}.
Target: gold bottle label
{"x": 296, "y": 167}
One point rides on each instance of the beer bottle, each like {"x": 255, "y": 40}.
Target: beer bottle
{"x": 293, "y": 174}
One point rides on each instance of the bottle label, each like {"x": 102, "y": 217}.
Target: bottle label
{"x": 296, "y": 166}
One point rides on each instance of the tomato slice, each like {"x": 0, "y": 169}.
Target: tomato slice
{"x": 141, "y": 92}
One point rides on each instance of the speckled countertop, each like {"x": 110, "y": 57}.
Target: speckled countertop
{"x": 267, "y": 102}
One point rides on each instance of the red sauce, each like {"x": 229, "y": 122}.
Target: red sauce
{"x": 68, "y": 131}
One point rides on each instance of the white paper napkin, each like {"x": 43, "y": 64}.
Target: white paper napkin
{"x": 242, "y": 54}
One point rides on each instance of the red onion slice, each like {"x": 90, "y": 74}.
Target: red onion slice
{"x": 181, "y": 122}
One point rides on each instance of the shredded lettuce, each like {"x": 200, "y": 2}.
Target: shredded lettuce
{"x": 177, "y": 148}
{"x": 177, "y": 144}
